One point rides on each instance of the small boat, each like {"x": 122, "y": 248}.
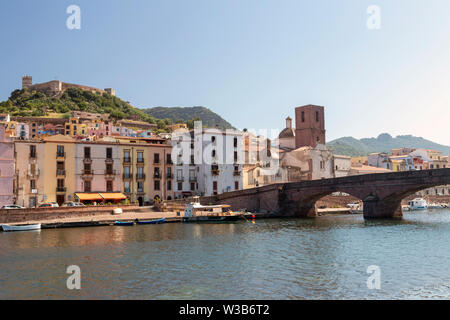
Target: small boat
{"x": 195, "y": 212}
{"x": 435, "y": 206}
{"x": 23, "y": 227}
{"x": 418, "y": 204}
{"x": 156, "y": 221}
{"x": 212, "y": 219}
{"x": 406, "y": 208}
{"x": 124, "y": 223}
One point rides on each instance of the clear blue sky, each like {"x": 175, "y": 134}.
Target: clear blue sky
{"x": 251, "y": 61}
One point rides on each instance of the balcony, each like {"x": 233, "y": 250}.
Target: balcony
{"x": 140, "y": 160}
{"x": 110, "y": 174}
{"x": 140, "y": 176}
{"x": 157, "y": 175}
{"x": 87, "y": 160}
{"x": 156, "y": 161}
{"x": 236, "y": 173}
{"x": 180, "y": 179}
{"x": 109, "y": 160}
{"x": 61, "y": 189}
{"x": 215, "y": 172}
{"x": 60, "y": 155}
{"x": 126, "y": 160}
{"x": 169, "y": 175}
{"x": 169, "y": 162}
{"x": 87, "y": 174}
{"x": 33, "y": 174}
{"x": 192, "y": 179}
{"x": 32, "y": 155}
{"x": 126, "y": 176}
{"x": 60, "y": 172}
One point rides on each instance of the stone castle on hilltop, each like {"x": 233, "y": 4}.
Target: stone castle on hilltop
{"x": 56, "y": 87}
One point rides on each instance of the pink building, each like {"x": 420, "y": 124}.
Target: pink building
{"x": 6, "y": 169}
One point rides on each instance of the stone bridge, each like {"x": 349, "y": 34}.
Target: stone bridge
{"x": 381, "y": 193}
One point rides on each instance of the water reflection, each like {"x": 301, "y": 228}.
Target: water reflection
{"x": 323, "y": 258}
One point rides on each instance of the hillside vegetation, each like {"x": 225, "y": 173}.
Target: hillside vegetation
{"x": 184, "y": 114}
{"x": 37, "y": 104}
{"x": 383, "y": 143}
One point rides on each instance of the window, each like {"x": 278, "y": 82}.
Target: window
{"x": 213, "y": 153}
{"x": 108, "y": 153}
{"x": 32, "y": 184}
{"x": 156, "y": 158}
{"x": 126, "y": 156}
{"x": 303, "y": 116}
{"x": 33, "y": 151}
{"x": 60, "y": 151}
{"x": 214, "y": 187}
{"x": 126, "y": 172}
{"x": 87, "y": 152}
{"x": 169, "y": 159}
{"x": 156, "y": 184}
{"x": 236, "y": 185}
{"x": 109, "y": 168}
{"x": 87, "y": 186}
{"x": 213, "y": 139}
{"x": 235, "y": 142}
{"x": 33, "y": 202}
{"x": 192, "y": 186}
{"x": 235, "y": 156}
{"x": 156, "y": 172}
{"x": 317, "y": 116}
{"x": 109, "y": 186}
{"x": 140, "y": 157}
{"x": 140, "y": 186}
{"x": 126, "y": 186}
{"x": 180, "y": 186}
{"x": 169, "y": 185}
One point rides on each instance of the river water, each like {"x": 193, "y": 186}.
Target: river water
{"x": 322, "y": 258}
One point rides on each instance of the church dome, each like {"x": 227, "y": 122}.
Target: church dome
{"x": 287, "y": 133}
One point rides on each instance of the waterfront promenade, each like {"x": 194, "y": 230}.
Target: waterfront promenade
{"x": 142, "y": 213}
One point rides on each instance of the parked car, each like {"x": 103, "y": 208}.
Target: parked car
{"x": 12, "y": 206}
{"x": 73, "y": 204}
{"x": 49, "y": 205}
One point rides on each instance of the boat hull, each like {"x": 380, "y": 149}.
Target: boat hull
{"x": 211, "y": 219}
{"x": 124, "y": 223}
{"x": 6, "y": 227}
{"x": 157, "y": 221}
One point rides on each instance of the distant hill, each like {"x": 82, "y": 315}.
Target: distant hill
{"x": 184, "y": 114}
{"x": 383, "y": 143}
{"x": 38, "y": 104}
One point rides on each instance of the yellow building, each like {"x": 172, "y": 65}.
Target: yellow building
{"x": 59, "y": 168}
{"x": 146, "y": 169}
{"x": 75, "y": 128}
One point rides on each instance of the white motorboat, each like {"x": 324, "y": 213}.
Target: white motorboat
{"x": 25, "y": 227}
{"x": 418, "y": 204}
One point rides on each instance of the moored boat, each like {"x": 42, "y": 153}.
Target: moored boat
{"x": 156, "y": 221}
{"x": 435, "y": 206}
{"x": 124, "y": 223}
{"x": 195, "y": 212}
{"x": 418, "y": 204}
{"x": 24, "y": 227}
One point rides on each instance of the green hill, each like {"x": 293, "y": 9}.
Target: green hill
{"x": 383, "y": 143}
{"x": 184, "y": 114}
{"x": 37, "y": 104}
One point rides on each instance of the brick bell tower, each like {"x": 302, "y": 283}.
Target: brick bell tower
{"x": 309, "y": 126}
